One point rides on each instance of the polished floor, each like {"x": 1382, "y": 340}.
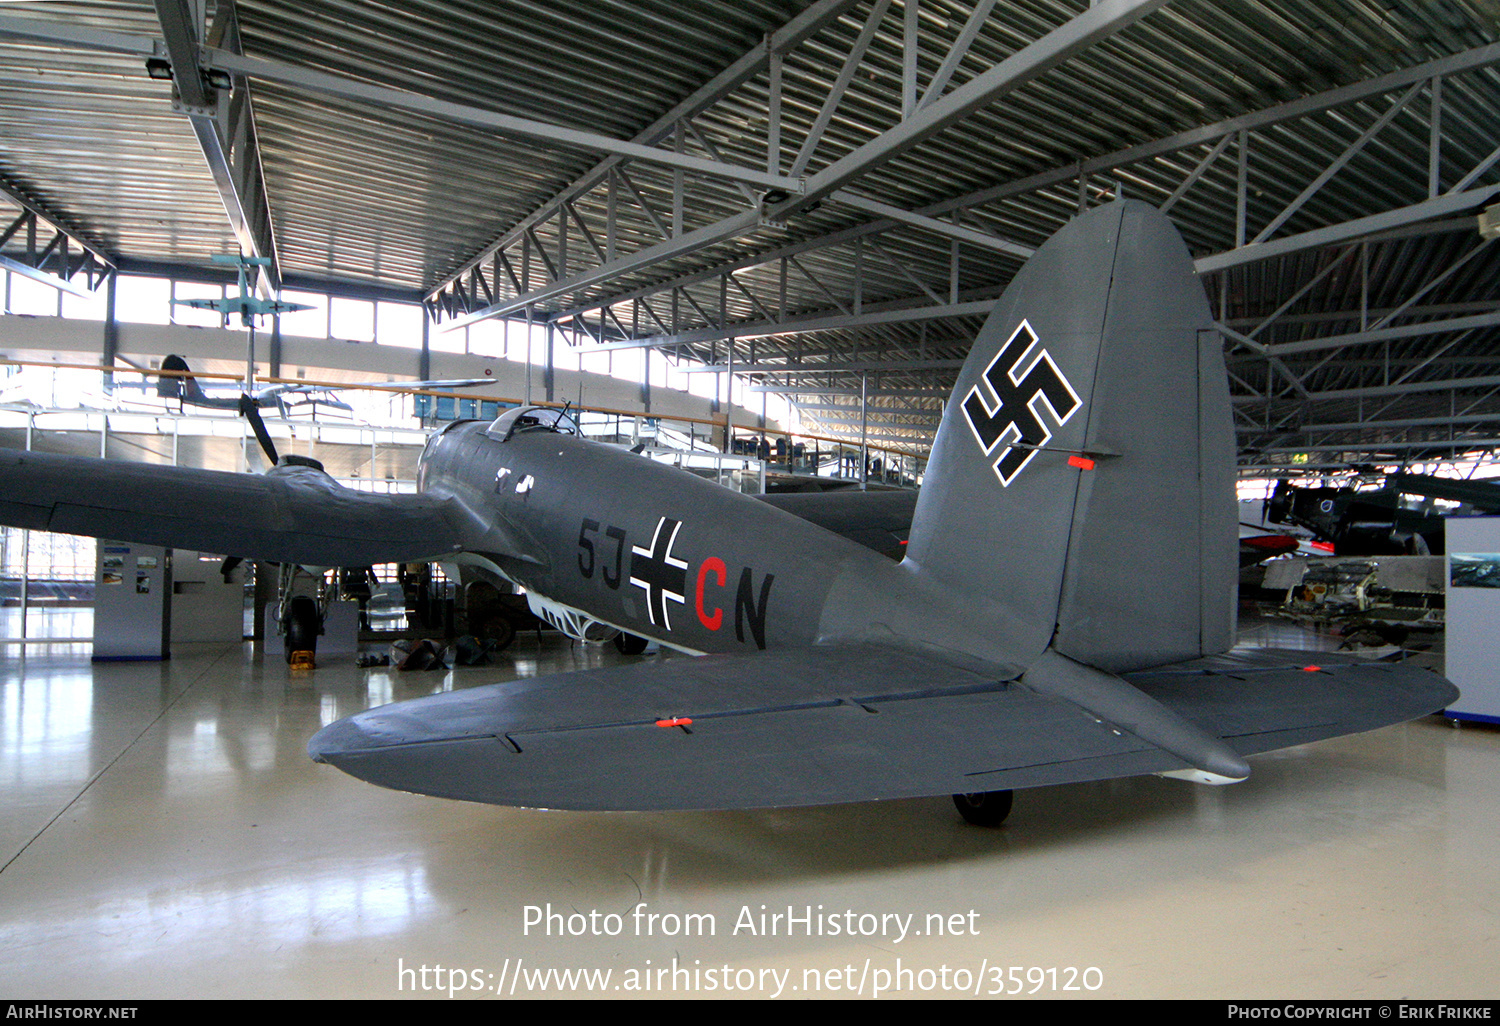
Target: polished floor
{"x": 163, "y": 834}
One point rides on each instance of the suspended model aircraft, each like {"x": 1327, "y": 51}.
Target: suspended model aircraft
{"x": 247, "y": 306}
{"x": 180, "y": 384}
{"x": 1088, "y": 435}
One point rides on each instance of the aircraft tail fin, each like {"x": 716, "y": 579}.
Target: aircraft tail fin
{"x": 181, "y": 384}
{"x": 1082, "y": 477}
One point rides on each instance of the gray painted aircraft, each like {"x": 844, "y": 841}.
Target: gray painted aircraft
{"x": 1089, "y": 434}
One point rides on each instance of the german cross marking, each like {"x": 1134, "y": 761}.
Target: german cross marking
{"x": 656, "y": 572}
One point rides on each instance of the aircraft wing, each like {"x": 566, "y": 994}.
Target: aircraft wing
{"x": 828, "y": 724}
{"x": 877, "y": 520}
{"x": 293, "y": 514}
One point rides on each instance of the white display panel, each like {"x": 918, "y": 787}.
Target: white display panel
{"x": 132, "y": 601}
{"x": 1473, "y": 616}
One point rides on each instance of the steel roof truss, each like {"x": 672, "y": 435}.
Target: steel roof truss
{"x": 1343, "y": 232}
{"x": 840, "y": 86}
{"x": 35, "y": 213}
{"x": 462, "y": 113}
{"x": 1098, "y": 22}
{"x": 1221, "y": 134}
{"x": 224, "y": 122}
{"x": 32, "y": 262}
{"x": 799, "y": 29}
{"x": 1338, "y": 163}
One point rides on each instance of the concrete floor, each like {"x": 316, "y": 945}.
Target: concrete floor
{"x": 164, "y": 835}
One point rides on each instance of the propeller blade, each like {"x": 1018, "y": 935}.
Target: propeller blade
{"x": 250, "y": 410}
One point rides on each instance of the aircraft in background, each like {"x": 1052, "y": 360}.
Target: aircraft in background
{"x": 179, "y": 383}
{"x": 1404, "y": 516}
{"x": 246, "y": 305}
{"x": 1089, "y": 434}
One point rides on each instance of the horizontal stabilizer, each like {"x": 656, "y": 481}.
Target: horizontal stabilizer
{"x": 1116, "y": 700}
{"x": 838, "y": 724}
{"x": 835, "y": 724}
{"x": 1262, "y": 701}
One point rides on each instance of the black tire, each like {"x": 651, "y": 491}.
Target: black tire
{"x": 302, "y": 626}
{"x": 500, "y": 632}
{"x": 984, "y": 808}
{"x": 630, "y": 644}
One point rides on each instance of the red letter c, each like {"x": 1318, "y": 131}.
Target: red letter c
{"x": 715, "y": 564}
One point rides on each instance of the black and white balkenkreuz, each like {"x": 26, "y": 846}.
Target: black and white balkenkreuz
{"x": 662, "y": 576}
{"x": 1019, "y": 382}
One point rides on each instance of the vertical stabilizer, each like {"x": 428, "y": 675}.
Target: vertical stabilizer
{"x": 1082, "y": 477}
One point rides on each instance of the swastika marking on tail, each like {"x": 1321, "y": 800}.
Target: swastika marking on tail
{"x": 1018, "y": 384}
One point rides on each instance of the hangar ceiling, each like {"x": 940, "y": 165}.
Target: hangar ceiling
{"x": 823, "y": 196}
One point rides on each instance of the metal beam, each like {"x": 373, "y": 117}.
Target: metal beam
{"x": 23, "y": 199}
{"x": 874, "y": 393}
{"x": 217, "y": 274}
{"x": 909, "y": 411}
{"x": 1099, "y": 22}
{"x": 932, "y": 224}
{"x": 1440, "y": 385}
{"x": 77, "y": 37}
{"x": 1423, "y": 310}
{"x": 1338, "y": 163}
{"x": 1355, "y": 338}
{"x": 792, "y": 34}
{"x": 1442, "y": 206}
{"x": 225, "y": 128}
{"x": 1361, "y": 446}
{"x": 840, "y": 85}
{"x": 957, "y": 51}
{"x": 895, "y": 366}
{"x": 755, "y": 260}
{"x": 691, "y": 242}
{"x": 182, "y": 28}
{"x": 42, "y": 277}
{"x": 506, "y": 124}
{"x": 873, "y": 437}
{"x": 1405, "y": 422}
{"x": 800, "y": 325}
{"x": 1468, "y": 60}
{"x": 879, "y": 416}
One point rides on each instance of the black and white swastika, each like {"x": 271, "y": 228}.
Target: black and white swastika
{"x": 1007, "y": 407}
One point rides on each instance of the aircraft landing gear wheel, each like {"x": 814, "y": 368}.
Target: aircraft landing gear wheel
{"x": 630, "y": 644}
{"x": 301, "y": 626}
{"x": 984, "y": 808}
{"x": 500, "y": 632}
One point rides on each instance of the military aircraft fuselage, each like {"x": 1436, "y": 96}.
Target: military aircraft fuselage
{"x": 664, "y": 554}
